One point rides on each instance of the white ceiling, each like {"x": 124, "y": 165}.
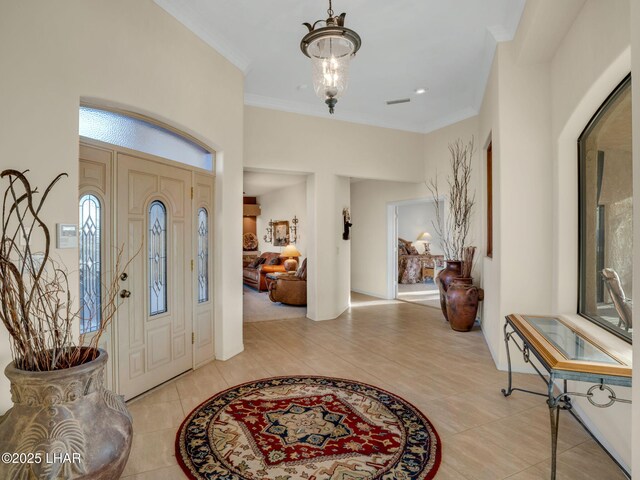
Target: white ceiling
{"x": 446, "y": 46}
{"x": 259, "y": 183}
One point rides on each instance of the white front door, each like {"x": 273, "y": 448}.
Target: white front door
{"x": 155, "y": 226}
{"x": 203, "y": 185}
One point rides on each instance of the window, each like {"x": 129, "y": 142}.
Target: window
{"x": 157, "y": 258}
{"x": 89, "y": 249}
{"x": 203, "y": 255}
{"x": 132, "y": 132}
{"x": 606, "y": 200}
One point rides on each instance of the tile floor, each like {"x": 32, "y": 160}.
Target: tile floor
{"x": 407, "y": 349}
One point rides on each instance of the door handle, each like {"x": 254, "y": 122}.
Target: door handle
{"x": 125, "y": 294}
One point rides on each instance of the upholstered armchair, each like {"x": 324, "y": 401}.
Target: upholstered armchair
{"x": 290, "y": 289}
{"x": 622, "y": 304}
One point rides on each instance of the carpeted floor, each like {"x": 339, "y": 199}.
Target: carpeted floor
{"x": 307, "y": 427}
{"x": 258, "y": 308}
{"x": 421, "y": 293}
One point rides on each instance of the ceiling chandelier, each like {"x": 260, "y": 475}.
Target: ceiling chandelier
{"x": 330, "y": 48}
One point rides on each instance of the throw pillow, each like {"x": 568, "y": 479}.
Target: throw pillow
{"x": 256, "y": 262}
{"x": 274, "y": 261}
{"x": 412, "y": 250}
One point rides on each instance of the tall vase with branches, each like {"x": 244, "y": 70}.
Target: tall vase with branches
{"x": 453, "y": 229}
{"x": 37, "y": 308}
{"x": 56, "y": 380}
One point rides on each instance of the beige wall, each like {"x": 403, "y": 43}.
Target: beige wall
{"x": 283, "y": 204}
{"x": 597, "y": 47}
{"x": 284, "y": 141}
{"x": 371, "y": 267}
{"x": 331, "y": 151}
{"x": 133, "y": 55}
{"x": 437, "y": 167}
{"x": 535, "y": 107}
{"x": 370, "y": 243}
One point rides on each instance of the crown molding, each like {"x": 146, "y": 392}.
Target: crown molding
{"x": 184, "y": 12}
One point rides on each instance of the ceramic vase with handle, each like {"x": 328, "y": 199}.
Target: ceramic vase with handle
{"x": 462, "y": 304}
{"x": 444, "y": 279}
{"x": 65, "y": 425}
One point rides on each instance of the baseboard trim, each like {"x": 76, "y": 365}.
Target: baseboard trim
{"x": 371, "y": 294}
{"x": 229, "y": 353}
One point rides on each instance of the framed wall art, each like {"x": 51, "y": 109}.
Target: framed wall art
{"x": 280, "y": 233}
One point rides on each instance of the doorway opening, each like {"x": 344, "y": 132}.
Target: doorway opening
{"x": 417, "y": 254}
{"x": 275, "y": 245}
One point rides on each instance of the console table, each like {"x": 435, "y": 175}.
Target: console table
{"x": 566, "y": 353}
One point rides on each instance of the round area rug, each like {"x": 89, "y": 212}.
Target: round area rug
{"x": 314, "y": 428}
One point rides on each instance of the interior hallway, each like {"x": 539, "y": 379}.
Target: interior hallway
{"x": 449, "y": 376}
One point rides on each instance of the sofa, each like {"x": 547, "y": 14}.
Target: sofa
{"x": 414, "y": 267}
{"x": 254, "y": 274}
{"x": 290, "y": 289}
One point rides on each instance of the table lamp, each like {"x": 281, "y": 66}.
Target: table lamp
{"x": 424, "y": 238}
{"x": 291, "y": 253}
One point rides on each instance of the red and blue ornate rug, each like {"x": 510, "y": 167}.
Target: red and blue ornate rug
{"x": 307, "y": 427}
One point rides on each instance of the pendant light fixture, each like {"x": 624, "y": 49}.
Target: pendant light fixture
{"x": 330, "y": 48}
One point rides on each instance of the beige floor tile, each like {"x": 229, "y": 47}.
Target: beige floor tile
{"x": 570, "y": 432}
{"x": 479, "y": 460}
{"x": 586, "y": 461}
{"x": 150, "y": 417}
{"x": 408, "y": 350}
{"x": 169, "y": 473}
{"x": 164, "y": 393}
{"x": 151, "y": 451}
{"x": 529, "y": 442}
{"x": 446, "y": 472}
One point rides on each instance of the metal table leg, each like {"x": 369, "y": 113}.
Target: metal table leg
{"x": 507, "y": 335}
{"x": 554, "y": 416}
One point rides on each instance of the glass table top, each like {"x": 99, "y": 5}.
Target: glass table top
{"x": 568, "y": 342}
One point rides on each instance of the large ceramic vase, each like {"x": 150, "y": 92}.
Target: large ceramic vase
{"x": 452, "y": 270}
{"x": 462, "y": 304}
{"x": 64, "y": 425}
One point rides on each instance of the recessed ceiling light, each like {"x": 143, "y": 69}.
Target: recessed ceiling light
{"x": 303, "y": 86}
{"x": 420, "y": 91}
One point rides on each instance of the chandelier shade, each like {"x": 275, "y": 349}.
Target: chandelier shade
{"x": 330, "y": 49}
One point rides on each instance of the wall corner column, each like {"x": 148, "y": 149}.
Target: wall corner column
{"x": 329, "y": 257}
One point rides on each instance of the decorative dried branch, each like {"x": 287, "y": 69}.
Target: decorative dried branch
{"x": 468, "y": 254}
{"x": 36, "y": 306}
{"x": 454, "y": 228}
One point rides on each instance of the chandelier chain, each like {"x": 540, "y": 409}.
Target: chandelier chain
{"x": 330, "y": 11}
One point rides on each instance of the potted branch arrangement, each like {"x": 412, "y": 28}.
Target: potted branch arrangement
{"x": 462, "y": 297}
{"x": 63, "y": 424}
{"x": 454, "y": 232}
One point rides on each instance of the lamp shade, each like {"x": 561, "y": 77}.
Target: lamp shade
{"x": 290, "y": 251}
{"x": 424, "y": 237}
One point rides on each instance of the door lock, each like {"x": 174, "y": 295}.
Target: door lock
{"x": 125, "y": 294}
